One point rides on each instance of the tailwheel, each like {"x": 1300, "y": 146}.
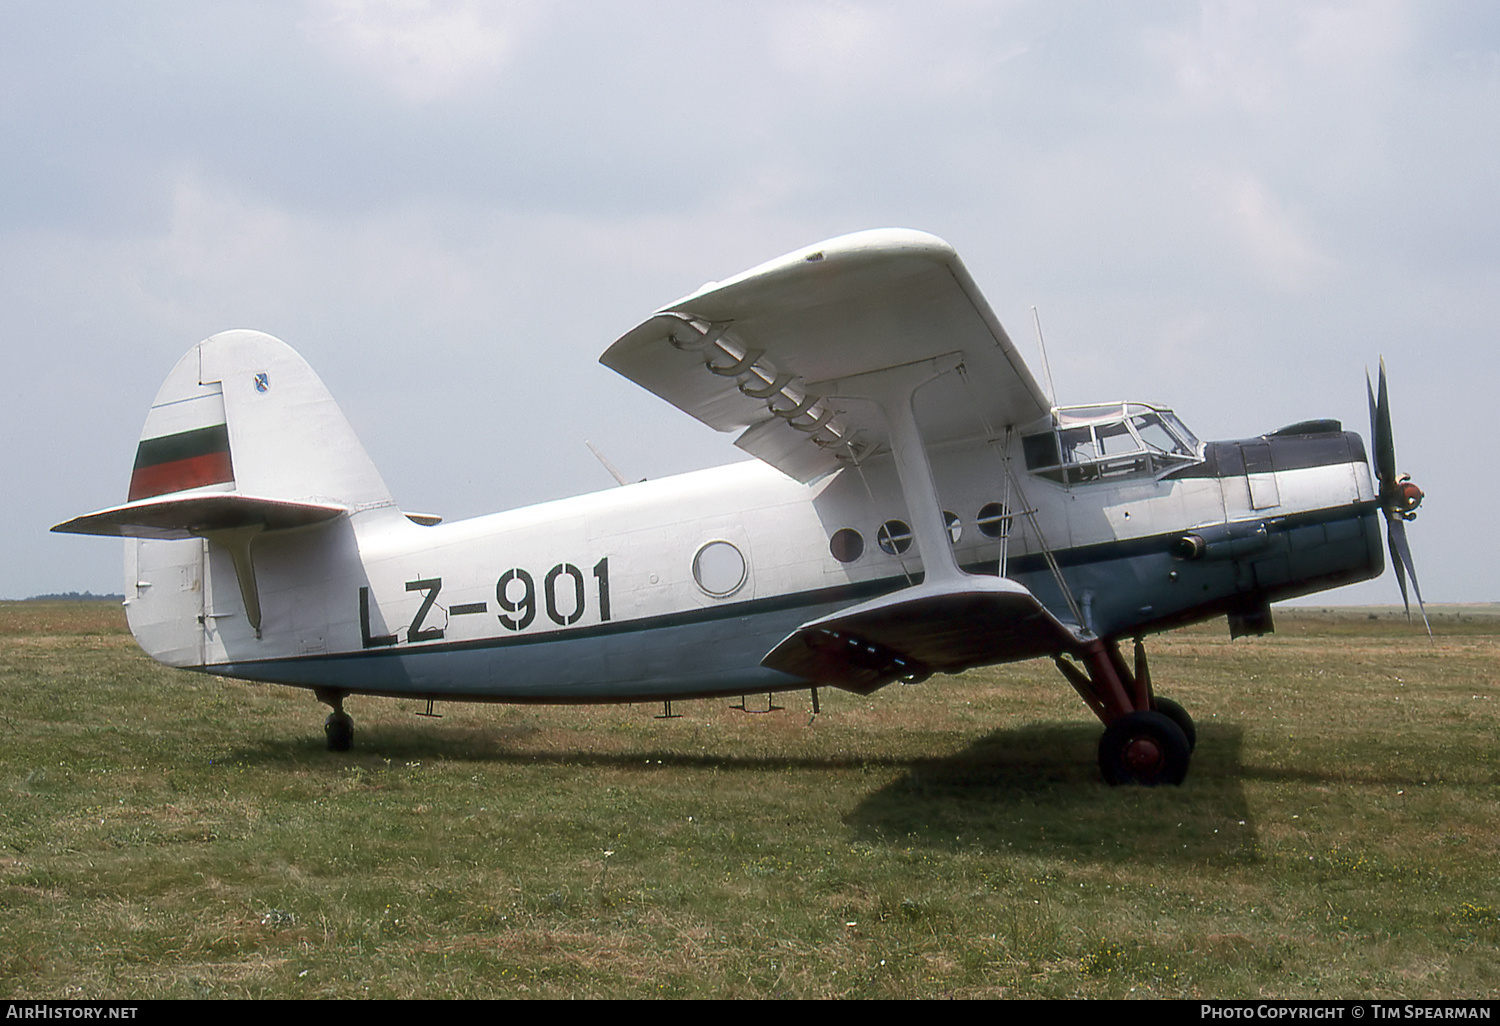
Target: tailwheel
{"x": 339, "y": 727}
{"x": 1145, "y": 748}
{"x": 340, "y": 730}
{"x": 1178, "y": 715}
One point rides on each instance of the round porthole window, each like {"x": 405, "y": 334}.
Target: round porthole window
{"x": 954, "y": 525}
{"x": 994, "y": 520}
{"x": 719, "y": 568}
{"x": 847, "y": 545}
{"x": 894, "y": 537}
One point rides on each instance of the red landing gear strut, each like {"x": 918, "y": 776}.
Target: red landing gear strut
{"x": 1147, "y": 740}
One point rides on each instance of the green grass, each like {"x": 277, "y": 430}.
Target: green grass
{"x": 165, "y": 834}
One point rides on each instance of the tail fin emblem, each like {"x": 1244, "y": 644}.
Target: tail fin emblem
{"x": 262, "y": 382}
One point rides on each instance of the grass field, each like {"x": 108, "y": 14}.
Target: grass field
{"x": 165, "y": 834}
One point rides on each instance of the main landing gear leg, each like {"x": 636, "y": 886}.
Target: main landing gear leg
{"x": 1147, "y": 740}
{"x": 340, "y": 725}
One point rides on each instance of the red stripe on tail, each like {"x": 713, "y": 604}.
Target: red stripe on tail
{"x": 179, "y": 475}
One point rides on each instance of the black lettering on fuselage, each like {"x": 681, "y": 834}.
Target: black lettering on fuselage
{"x": 550, "y": 587}
{"x": 601, "y": 574}
{"x": 521, "y": 611}
{"x": 416, "y": 632}
{"x": 369, "y": 640}
{"x": 517, "y": 611}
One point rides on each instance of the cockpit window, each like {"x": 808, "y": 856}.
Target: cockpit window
{"x": 1098, "y": 442}
{"x": 1181, "y": 431}
{"x": 1040, "y": 450}
{"x": 1157, "y": 436}
{"x": 1114, "y": 439}
{"x": 1078, "y": 445}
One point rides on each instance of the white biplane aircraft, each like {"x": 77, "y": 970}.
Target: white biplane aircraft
{"x": 917, "y": 506}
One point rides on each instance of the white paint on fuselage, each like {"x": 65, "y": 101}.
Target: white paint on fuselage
{"x": 633, "y": 547}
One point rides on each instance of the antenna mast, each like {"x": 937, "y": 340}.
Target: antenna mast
{"x": 1046, "y": 367}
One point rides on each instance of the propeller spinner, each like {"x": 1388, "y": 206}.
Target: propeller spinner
{"x": 1399, "y": 497}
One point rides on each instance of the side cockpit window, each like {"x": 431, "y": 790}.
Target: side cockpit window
{"x": 1041, "y": 450}
{"x": 1078, "y": 445}
{"x": 1095, "y": 443}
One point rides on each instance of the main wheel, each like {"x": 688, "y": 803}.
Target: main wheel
{"x": 1178, "y": 715}
{"x": 1144, "y": 748}
{"x": 340, "y": 730}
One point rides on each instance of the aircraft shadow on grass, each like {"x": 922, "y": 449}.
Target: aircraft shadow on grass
{"x": 1031, "y": 790}
{"x": 1026, "y": 789}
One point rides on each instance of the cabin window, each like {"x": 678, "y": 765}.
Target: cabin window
{"x": 847, "y": 545}
{"x": 955, "y": 527}
{"x": 894, "y": 537}
{"x": 719, "y": 568}
{"x": 1078, "y": 445}
{"x": 1115, "y": 439}
{"x": 994, "y": 520}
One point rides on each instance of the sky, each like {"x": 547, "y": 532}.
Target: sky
{"x": 452, "y": 208}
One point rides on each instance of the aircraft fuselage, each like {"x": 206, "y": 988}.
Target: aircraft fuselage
{"x": 678, "y": 587}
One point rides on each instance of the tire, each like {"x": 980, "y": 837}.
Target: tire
{"x": 1178, "y": 715}
{"x": 1145, "y": 748}
{"x": 340, "y": 730}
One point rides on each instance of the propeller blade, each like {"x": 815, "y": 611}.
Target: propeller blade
{"x": 1383, "y": 440}
{"x": 1397, "y": 565}
{"x": 1399, "y": 498}
{"x": 1401, "y": 559}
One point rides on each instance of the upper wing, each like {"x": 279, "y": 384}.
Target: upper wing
{"x": 763, "y": 352}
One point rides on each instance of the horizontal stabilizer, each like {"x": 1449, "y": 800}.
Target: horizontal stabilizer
{"x": 942, "y": 627}
{"x": 191, "y": 516}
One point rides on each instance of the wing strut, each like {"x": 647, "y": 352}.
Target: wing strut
{"x": 1027, "y": 509}
{"x": 893, "y": 390}
{"x": 949, "y": 622}
{"x": 1030, "y": 513}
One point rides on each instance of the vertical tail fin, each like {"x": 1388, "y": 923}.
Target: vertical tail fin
{"x": 242, "y": 432}
{"x": 242, "y": 440}
{"x": 244, "y": 413}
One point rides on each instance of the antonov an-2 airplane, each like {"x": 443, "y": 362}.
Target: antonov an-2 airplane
{"x": 917, "y": 506}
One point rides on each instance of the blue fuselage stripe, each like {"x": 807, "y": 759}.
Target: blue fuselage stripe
{"x": 693, "y": 653}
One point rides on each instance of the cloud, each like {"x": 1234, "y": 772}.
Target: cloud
{"x": 1277, "y": 243}
{"x": 1258, "y": 56}
{"x": 836, "y": 42}
{"x": 421, "y": 50}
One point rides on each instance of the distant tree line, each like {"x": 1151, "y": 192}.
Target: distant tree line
{"x": 75, "y": 596}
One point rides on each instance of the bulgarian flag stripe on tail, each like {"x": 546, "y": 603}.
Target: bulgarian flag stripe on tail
{"x": 188, "y": 459}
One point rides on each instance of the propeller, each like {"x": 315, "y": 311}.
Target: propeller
{"x": 1399, "y": 497}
